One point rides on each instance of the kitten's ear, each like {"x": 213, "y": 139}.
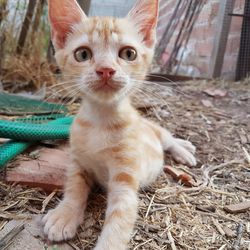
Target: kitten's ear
{"x": 145, "y": 15}
{"x": 63, "y": 15}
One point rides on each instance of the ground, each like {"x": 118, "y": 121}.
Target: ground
{"x": 215, "y": 116}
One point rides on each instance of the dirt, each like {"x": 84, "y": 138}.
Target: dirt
{"x": 171, "y": 216}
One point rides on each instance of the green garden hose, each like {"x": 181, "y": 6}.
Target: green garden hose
{"x": 10, "y": 150}
{"x": 33, "y": 132}
{"x": 29, "y": 133}
{"x": 40, "y": 119}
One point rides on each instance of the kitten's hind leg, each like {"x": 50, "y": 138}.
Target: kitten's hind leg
{"x": 61, "y": 223}
{"x": 187, "y": 145}
{"x": 181, "y": 150}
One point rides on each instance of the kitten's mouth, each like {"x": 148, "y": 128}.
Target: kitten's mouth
{"x": 106, "y": 86}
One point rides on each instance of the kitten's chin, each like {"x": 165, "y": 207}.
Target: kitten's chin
{"x": 107, "y": 96}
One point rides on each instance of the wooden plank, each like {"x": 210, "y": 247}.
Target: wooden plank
{"x": 170, "y": 78}
{"x": 46, "y": 172}
{"x": 221, "y": 37}
{"x": 30, "y": 236}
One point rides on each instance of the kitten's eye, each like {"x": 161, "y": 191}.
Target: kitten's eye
{"x": 83, "y": 54}
{"x": 128, "y": 54}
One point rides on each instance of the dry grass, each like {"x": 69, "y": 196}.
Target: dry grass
{"x": 27, "y": 73}
{"x": 172, "y": 216}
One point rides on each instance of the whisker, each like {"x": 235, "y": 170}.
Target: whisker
{"x": 152, "y": 107}
{"x": 153, "y": 95}
{"x": 157, "y": 85}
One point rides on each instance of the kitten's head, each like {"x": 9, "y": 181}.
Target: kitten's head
{"x": 104, "y": 56}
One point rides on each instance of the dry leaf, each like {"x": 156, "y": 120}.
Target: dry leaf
{"x": 181, "y": 176}
{"x": 215, "y": 92}
{"x": 238, "y": 208}
{"x": 207, "y": 103}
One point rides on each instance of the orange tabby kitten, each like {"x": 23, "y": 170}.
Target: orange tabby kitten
{"x": 111, "y": 143}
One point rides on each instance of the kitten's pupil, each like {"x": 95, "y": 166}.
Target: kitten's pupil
{"x": 84, "y": 55}
{"x": 129, "y": 54}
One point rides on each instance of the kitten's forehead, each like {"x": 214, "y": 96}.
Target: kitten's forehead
{"x": 106, "y": 31}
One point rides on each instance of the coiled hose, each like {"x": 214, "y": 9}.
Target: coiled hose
{"x": 30, "y": 133}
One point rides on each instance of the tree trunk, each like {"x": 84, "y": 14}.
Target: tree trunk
{"x": 25, "y": 26}
{"x": 50, "y": 53}
{"x": 37, "y": 19}
{"x": 3, "y": 5}
{"x": 3, "y": 13}
{"x": 85, "y": 4}
{"x": 2, "y": 42}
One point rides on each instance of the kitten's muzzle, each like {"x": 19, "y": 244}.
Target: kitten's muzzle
{"x": 105, "y": 73}
{"x": 106, "y": 85}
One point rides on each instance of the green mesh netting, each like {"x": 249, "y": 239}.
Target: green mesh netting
{"x": 16, "y": 105}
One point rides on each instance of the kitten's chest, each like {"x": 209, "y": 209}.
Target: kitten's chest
{"x": 96, "y": 139}
{"x": 88, "y": 145}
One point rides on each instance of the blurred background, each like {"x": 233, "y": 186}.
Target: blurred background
{"x": 195, "y": 39}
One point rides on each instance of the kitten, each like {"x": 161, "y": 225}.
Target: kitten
{"x": 111, "y": 144}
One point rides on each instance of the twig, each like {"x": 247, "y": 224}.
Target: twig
{"x": 47, "y": 200}
{"x": 171, "y": 240}
{"x": 246, "y": 154}
{"x": 73, "y": 246}
{"x": 217, "y": 225}
{"x": 2, "y": 225}
{"x": 248, "y": 227}
{"x": 214, "y": 237}
{"x": 142, "y": 244}
{"x": 10, "y": 216}
{"x": 216, "y": 215}
{"x": 150, "y": 204}
{"x": 240, "y": 230}
{"x": 222, "y": 247}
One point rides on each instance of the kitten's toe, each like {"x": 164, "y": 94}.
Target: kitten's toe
{"x": 61, "y": 223}
{"x": 187, "y": 145}
{"x": 183, "y": 156}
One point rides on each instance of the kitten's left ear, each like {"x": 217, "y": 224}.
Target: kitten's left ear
{"x": 145, "y": 16}
{"x": 63, "y": 15}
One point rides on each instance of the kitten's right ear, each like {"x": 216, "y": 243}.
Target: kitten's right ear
{"x": 63, "y": 15}
{"x": 144, "y": 15}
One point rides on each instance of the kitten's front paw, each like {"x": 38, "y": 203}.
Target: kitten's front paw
{"x": 183, "y": 152}
{"x": 61, "y": 223}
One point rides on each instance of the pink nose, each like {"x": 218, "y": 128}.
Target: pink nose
{"x": 105, "y": 73}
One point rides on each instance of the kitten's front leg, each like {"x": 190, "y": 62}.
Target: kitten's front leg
{"x": 61, "y": 223}
{"x": 121, "y": 212}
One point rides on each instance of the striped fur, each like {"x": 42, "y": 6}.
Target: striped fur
{"x": 111, "y": 143}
